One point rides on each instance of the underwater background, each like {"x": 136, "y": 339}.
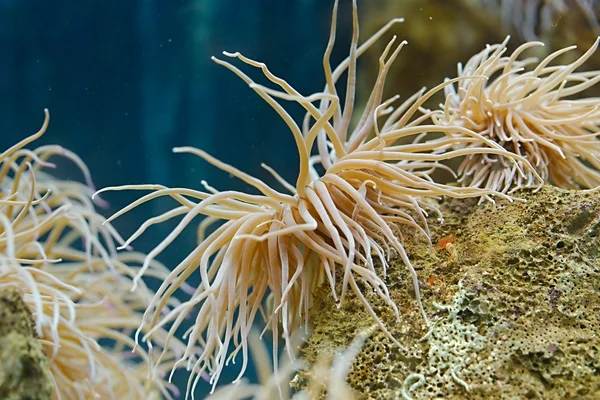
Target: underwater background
{"x": 126, "y": 81}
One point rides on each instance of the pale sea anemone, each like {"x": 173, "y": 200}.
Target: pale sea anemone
{"x": 56, "y": 250}
{"x": 340, "y": 217}
{"x": 530, "y": 108}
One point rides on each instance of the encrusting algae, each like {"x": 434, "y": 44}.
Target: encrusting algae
{"x": 516, "y": 310}
{"x": 353, "y": 234}
{"x": 24, "y": 373}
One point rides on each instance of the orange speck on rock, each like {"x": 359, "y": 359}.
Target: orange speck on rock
{"x": 445, "y": 241}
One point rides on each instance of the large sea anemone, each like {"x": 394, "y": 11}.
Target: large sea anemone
{"x": 336, "y": 224}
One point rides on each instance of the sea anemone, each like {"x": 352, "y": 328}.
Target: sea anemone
{"x": 56, "y": 250}
{"x": 528, "y": 108}
{"x": 342, "y": 214}
{"x": 94, "y": 356}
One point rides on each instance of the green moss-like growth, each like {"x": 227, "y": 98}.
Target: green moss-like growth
{"x": 24, "y": 373}
{"x": 514, "y": 300}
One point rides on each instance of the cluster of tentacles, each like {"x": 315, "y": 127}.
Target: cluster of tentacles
{"x": 337, "y": 224}
{"x": 56, "y": 250}
{"x": 528, "y": 107}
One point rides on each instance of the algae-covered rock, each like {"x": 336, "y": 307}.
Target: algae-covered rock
{"x": 513, "y": 293}
{"x": 24, "y": 372}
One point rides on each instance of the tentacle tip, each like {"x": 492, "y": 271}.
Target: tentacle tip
{"x": 100, "y": 202}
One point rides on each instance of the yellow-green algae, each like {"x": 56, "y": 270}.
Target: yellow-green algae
{"x": 24, "y": 371}
{"x": 516, "y": 309}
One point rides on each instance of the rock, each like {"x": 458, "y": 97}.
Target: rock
{"x": 513, "y": 293}
{"x": 24, "y": 371}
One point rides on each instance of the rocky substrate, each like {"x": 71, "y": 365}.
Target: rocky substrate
{"x": 513, "y": 294}
{"x": 24, "y": 373}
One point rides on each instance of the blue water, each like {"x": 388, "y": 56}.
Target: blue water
{"x": 125, "y": 81}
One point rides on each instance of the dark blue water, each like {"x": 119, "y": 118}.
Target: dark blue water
{"x": 125, "y": 81}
